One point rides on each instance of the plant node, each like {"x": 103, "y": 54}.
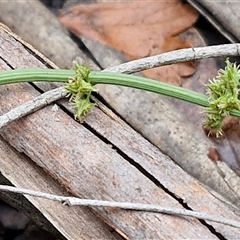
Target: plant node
{"x": 80, "y": 90}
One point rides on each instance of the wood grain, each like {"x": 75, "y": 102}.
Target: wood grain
{"x": 72, "y": 223}
{"x": 138, "y": 108}
{"x": 104, "y": 158}
{"x": 47, "y": 25}
{"x": 19, "y": 170}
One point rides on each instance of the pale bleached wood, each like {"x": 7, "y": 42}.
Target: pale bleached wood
{"x": 62, "y": 50}
{"x": 161, "y": 123}
{"x": 88, "y": 167}
{"x": 78, "y": 223}
{"x": 72, "y": 223}
{"x": 161, "y": 129}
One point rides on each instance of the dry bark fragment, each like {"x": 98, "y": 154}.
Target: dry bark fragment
{"x": 19, "y": 64}
{"x": 71, "y": 153}
{"x": 200, "y": 145}
{"x": 37, "y": 27}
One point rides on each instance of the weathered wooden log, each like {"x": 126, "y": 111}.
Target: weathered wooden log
{"x": 170, "y": 132}
{"x": 102, "y": 158}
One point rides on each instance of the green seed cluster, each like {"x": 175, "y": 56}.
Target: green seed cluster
{"x": 80, "y": 90}
{"x": 223, "y": 97}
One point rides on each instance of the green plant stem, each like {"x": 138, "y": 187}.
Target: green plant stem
{"x": 35, "y": 74}
{"x": 60, "y": 75}
{"x": 148, "y": 85}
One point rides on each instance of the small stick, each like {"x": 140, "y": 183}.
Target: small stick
{"x": 73, "y": 201}
{"x": 32, "y": 105}
{"x": 182, "y": 55}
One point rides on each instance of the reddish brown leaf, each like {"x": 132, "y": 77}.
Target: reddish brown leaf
{"x": 137, "y": 29}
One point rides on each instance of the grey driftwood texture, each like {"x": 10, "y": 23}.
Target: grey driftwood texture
{"x": 153, "y": 116}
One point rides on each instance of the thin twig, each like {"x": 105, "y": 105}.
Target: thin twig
{"x": 32, "y": 105}
{"x": 73, "y": 201}
{"x": 182, "y": 55}
{"x": 129, "y": 67}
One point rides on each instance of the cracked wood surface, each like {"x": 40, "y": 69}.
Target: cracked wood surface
{"x": 171, "y": 132}
{"x": 100, "y": 159}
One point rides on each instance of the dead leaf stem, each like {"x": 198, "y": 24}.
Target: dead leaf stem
{"x": 183, "y": 55}
{"x": 73, "y": 201}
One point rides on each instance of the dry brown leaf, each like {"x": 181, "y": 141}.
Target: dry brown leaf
{"x": 137, "y": 29}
